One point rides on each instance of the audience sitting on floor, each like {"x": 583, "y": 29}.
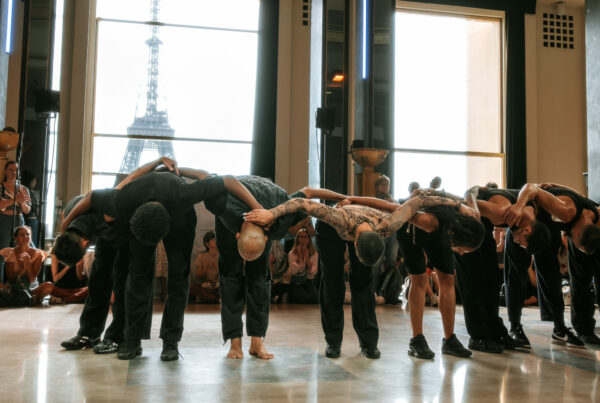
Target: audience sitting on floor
{"x": 70, "y": 283}
{"x": 303, "y": 262}
{"x": 205, "y": 288}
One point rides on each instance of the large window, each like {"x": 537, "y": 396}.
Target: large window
{"x": 177, "y": 78}
{"x": 448, "y": 99}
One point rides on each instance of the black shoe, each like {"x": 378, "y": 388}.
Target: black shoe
{"x": 590, "y": 339}
{"x": 417, "y": 347}
{"x": 79, "y": 343}
{"x": 509, "y": 343}
{"x": 106, "y": 346}
{"x": 453, "y": 346}
{"x": 486, "y": 346}
{"x": 128, "y": 350}
{"x": 170, "y": 352}
{"x": 566, "y": 337}
{"x": 370, "y": 352}
{"x": 518, "y": 335}
{"x": 333, "y": 350}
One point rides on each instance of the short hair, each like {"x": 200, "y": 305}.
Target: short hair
{"x": 251, "y": 243}
{"x": 590, "y": 238}
{"x": 435, "y": 182}
{"x": 207, "y": 237}
{"x": 491, "y": 185}
{"x": 539, "y": 238}
{"x": 413, "y": 186}
{"x": 8, "y": 163}
{"x": 466, "y": 231}
{"x": 382, "y": 179}
{"x": 68, "y": 249}
{"x": 370, "y": 248}
{"x": 150, "y": 223}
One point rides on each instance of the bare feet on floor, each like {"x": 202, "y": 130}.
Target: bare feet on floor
{"x": 258, "y": 349}
{"x": 235, "y": 351}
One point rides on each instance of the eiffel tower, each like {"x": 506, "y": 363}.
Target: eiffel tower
{"x": 154, "y": 122}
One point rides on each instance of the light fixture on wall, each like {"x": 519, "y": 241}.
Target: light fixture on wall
{"x": 337, "y": 76}
{"x": 9, "y": 24}
{"x": 560, "y": 8}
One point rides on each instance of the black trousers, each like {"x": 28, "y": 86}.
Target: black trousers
{"x": 333, "y": 288}
{"x": 582, "y": 268}
{"x": 105, "y": 277}
{"x": 547, "y": 267}
{"x": 139, "y": 287}
{"x": 242, "y": 283}
{"x": 479, "y": 280}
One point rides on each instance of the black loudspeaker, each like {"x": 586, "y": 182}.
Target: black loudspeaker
{"x": 325, "y": 119}
{"x": 47, "y": 101}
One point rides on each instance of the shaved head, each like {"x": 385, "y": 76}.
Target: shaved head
{"x": 251, "y": 242}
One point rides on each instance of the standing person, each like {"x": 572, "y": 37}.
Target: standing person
{"x": 244, "y": 260}
{"x": 158, "y": 205}
{"x": 578, "y": 216}
{"x": 362, "y": 228}
{"x": 32, "y": 218}
{"x": 12, "y": 205}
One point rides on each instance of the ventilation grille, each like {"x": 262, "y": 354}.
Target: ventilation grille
{"x": 306, "y": 12}
{"x": 558, "y": 31}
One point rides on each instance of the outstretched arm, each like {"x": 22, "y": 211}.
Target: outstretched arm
{"x": 325, "y": 194}
{"x": 409, "y": 208}
{"x": 170, "y": 164}
{"x": 558, "y": 208}
{"x": 373, "y": 202}
{"x": 240, "y": 191}
{"x": 83, "y": 206}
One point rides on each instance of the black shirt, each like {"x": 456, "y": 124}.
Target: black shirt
{"x": 581, "y": 203}
{"x": 229, "y": 209}
{"x": 90, "y": 224}
{"x": 173, "y": 192}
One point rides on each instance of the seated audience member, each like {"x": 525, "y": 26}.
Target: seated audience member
{"x": 206, "y": 287}
{"x": 22, "y": 265}
{"x": 278, "y": 264}
{"x": 382, "y": 188}
{"x": 70, "y": 283}
{"x": 303, "y": 267}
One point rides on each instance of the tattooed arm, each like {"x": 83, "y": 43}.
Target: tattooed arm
{"x": 410, "y": 207}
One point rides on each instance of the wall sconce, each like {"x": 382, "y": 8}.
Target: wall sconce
{"x": 337, "y": 76}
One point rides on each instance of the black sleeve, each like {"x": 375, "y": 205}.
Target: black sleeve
{"x": 103, "y": 201}
{"x": 211, "y": 190}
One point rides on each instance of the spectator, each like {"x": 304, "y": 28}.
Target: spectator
{"x": 435, "y": 183}
{"x": 206, "y": 288}
{"x": 32, "y": 218}
{"x": 412, "y": 187}
{"x": 278, "y": 264}
{"x": 303, "y": 267}
{"x": 382, "y": 188}
{"x": 12, "y": 204}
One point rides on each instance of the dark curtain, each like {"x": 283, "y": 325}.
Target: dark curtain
{"x": 265, "y": 105}
{"x": 516, "y": 147}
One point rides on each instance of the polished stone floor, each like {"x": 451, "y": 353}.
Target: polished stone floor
{"x": 33, "y": 367}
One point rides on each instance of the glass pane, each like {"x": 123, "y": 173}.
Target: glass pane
{"x": 448, "y": 83}
{"x": 203, "y": 93}
{"x": 237, "y": 14}
{"x": 458, "y": 172}
{"x": 220, "y": 158}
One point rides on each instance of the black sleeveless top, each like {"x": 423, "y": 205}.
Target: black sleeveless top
{"x": 581, "y": 203}
{"x": 486, "y": 194}
{"x": 415, "y": 241}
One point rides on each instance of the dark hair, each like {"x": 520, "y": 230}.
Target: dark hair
{"x": 207, "y": 237}
{"x": 370, "y": 248}
{"x": 16, "y": 231}
{"x": 590, "y": 238}
{"x": 436, "y": 182}
{"x": 413, "y": 186}
{"x": 491, "y": 185}
{"x": 150, "y": 223}
{"x": 462, "y": 230}
{"x": 539, "y": 238}
{"x": 27, "y": 177}
{"x": 68, "y": 248}
{"x": 9, "y": 162}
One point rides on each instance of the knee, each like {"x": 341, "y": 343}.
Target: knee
{"x": 446, "y": 280}
{"x": 418, "y": 281}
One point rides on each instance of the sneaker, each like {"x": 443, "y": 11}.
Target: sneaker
{"x": 170, "y": 352}
{"x": 106, "y": 346}
{"x": 79, "y": 343}
{"x": 333, "y": 350}
{"x": 566, "y": 337}
{"x": 485, "y": 346}
{"x": 518, "y": 335}
{"x": 590, "y": 339}
{"x": 509, "y": 343}
{"x": 128, "y": 350}
{"x": 418, "y": 347}
{"x": 453, "y": 346}
{"x": 370, "y": 352}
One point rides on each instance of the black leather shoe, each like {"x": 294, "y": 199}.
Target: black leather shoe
{"x": 128, "y": 350}
{"x": 170, "y": 352}
{"x": 106, "y": 346}
{"x": 370, "y": 352}
{"x": 333, "y": 350}
{"x": 79, "y": 343}
{"x": 519, "y": 336}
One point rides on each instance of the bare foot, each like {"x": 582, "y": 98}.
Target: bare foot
{"x": 235, "y": 351}
{"x": 258, "y": 349}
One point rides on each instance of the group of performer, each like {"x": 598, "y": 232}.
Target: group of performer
{"x": 454, "y": 234}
